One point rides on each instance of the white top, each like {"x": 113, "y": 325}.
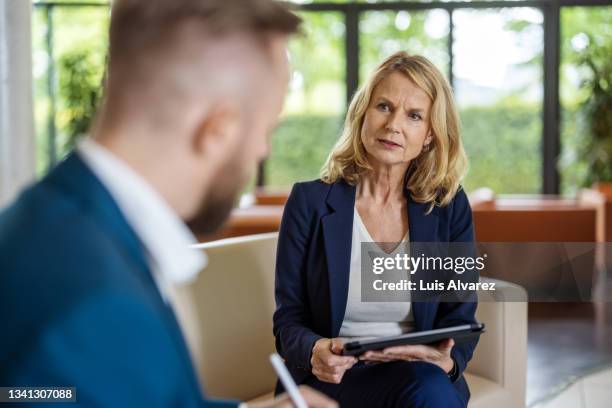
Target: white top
{"x": 164, "y": 235}
{"x": 371, "y": 319}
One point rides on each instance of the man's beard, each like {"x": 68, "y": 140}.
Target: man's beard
{"x": 217, "y": 205}
{"x": 213, "y": 212}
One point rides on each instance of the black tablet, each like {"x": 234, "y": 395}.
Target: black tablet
{"x": 458, "y": 333}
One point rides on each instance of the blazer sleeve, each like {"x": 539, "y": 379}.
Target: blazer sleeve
{"x": 125, "y": 358}
{"x": 292, "y": 318}
{"x": 456, "y": 313}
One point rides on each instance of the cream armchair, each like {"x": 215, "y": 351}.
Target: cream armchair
{"x": 226, "y": 315}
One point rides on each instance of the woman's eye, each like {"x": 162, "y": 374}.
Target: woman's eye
{"x": 383, "y": 107}
{"x": 415, "y": 116}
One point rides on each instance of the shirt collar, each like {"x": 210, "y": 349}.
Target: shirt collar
{"x": 164, "y": 235}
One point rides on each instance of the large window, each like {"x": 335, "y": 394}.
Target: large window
{"x": 69, "y": 53}
{"x": 498, "y": 88}
{"x": 315, "y": 104}
{"x": 381, "y": 33}
{"x": 516, "y": 68}
{"x": 586, "y": 43}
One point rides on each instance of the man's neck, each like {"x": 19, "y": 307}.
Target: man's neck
{"x": 170, "y": 181}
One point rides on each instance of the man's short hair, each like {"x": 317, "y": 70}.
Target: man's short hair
{"x": 157, "y": 47}
{"x": 140, "y": 26}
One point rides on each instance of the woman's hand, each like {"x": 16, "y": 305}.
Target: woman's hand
{"x": 327, "y": 362}
{"x": 438, "y": 355}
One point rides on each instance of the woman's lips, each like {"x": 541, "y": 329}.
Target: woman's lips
{"x": 389, "y": 144}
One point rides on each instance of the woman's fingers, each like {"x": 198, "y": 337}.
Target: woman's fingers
{"x": 327, "y": 364}
{"x": 407, "y": 353}
{"x": 331, "y": 370}
{"x": 328, "y": 377}
{"x": 418, "y": 352}
{"x": 337, "y": 345}
{"x": 414, "y": 350}
{"x": 380, "y": 359}
{"x": 335, "y": 369}
{"x": 332, "y": 360}
{"x": 376, "y": 356}
{"x": 446, "y": 346}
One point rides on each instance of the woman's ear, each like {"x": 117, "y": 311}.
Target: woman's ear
{"x": 218, "y": 132}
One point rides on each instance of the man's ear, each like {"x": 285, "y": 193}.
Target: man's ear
{"x": 218, "y": 132}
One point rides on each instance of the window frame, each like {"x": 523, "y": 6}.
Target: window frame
{"x": 551, "y": 109}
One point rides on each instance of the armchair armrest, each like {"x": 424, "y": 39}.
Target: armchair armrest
{"x": 501, "y": 354}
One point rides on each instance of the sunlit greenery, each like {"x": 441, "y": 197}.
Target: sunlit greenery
{"x": 384, "y": 32}
{"x": 502, "y": 135}
{"x": 315, "y": 103}
{"x": 503, "y": 145}
{"x": 584, "y": 31}
{"x": 79, "y": 43}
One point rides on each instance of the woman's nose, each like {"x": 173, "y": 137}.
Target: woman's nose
{"x": 393, "y": 125}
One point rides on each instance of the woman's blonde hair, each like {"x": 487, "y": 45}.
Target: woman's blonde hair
{"x": 435, "y": 175}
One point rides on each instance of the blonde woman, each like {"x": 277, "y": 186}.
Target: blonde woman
{"x": 393, "y": 176}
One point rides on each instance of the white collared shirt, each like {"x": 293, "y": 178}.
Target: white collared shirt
{"x": 164, "y": 235}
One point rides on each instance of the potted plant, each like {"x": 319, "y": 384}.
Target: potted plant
{"x": 595, "y": 116}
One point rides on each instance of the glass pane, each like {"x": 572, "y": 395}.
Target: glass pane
{"x": 384, "y": 1}
{"x": 498, "y": 86}
{"x": 40, "y": 65}
{"x": 79, "y": 40}
{"x": 420, "y": 32}
{"x": 315, "y": 105}
{"x": 586, "y": 41}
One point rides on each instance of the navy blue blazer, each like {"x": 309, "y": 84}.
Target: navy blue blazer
{"x": 313, "y": 264}
{"x": 78, "y": 304}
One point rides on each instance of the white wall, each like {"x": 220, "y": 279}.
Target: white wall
{"x": 17, "y": 164}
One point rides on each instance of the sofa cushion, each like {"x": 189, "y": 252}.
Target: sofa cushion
{"x": 264, "y": 397}
{"x": 486, "y": 393}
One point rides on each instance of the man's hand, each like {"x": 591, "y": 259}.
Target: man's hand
{"x": 314, "y": 399}
{"x": 438, "y": 355}
{"x": 328, "y": 363}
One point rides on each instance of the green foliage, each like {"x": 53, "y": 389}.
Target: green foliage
{"x": 299, "y": 148}
{"x": 78, "y": 36}
{"x": 586, "y": 41}
{"x": 595, "y": 114}
{"x": 80, "y": 88}
{"x": 385, "y": 32}
{"x": 322, "y": 40}
{"x": 502, "y": 142}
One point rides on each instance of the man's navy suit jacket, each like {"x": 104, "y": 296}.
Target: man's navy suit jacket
{"x": 313, "y": 265}
{"x": 78, "y": 304}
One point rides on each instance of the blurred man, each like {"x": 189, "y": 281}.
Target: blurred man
{"x": 89, "y": 255}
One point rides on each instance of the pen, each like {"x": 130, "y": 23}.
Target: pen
{"x": 287, "y": 381}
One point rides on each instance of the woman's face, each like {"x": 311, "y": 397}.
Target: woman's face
{"x": 396, "y": 123}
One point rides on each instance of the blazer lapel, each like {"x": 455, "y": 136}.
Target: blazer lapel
{"x": 338, "y": 233}
{"x": 423, "y": 227}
